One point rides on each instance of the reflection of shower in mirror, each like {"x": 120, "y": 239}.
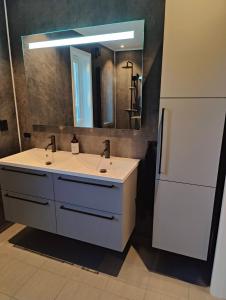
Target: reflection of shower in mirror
{"x": 134, "y": 108}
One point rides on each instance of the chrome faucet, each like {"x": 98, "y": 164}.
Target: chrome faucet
{"x": 107, "y": 150}
{"x": 52, "y": 143}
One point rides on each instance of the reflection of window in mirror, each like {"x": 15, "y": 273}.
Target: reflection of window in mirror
{"x": 81, "y": 67}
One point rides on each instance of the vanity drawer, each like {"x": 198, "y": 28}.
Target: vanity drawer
{"x": 95, "y": 194}
{"x": 31, "y": 211}
{"x": 25, "y": 181}
{"x": 91, "y": 226}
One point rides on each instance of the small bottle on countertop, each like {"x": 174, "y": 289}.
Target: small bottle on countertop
{"x": 74, "y": 145}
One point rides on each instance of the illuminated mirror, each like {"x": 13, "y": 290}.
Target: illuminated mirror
{"x": 86, "y": 77}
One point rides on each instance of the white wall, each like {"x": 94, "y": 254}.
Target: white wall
{"x": 218, "y": 284}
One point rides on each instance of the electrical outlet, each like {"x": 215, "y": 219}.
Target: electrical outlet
{"x": 3, "y": 125}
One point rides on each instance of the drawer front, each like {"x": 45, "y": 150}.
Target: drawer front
{"x": 95, "y": 194}
{"x": 31, "y": 211}
{"x": 24, "y": 181}
{"x": 91, "y": 226}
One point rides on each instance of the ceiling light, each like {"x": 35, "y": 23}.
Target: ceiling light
{"x": 84, "y": 40}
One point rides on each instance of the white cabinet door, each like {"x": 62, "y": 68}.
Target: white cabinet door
{"x": 182, "y": 218}
{"x": 191, "y": 140}
{"x": 194, "y": 56}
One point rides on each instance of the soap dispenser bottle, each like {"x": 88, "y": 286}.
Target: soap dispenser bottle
{"x": 74, "y": 145}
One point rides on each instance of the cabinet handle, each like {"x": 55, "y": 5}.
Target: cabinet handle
{"x": 23, "y": 172}
{"x": 88, "y": 183}
{"x": 161, "y": 140}
{"x": 26, "y": 200}
{"x": 87, "y": 213}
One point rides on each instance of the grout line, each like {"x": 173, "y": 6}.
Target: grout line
{"x": 12, "y": 75}
{"x": 66, "y": 281}
{"x": 189, "y": 292}
{"x": 18, "y": 289}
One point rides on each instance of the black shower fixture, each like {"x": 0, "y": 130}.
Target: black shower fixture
{"x": 129, "y": 65}
{"x": 134, "y": 107}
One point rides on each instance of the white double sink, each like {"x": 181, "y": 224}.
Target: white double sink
{"x": 84, "y": 165}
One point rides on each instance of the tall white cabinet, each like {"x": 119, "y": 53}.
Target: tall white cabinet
{"x": 191, "y": 122}
{"x": 194, "y": 59}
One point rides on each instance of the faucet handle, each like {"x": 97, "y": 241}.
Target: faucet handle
{"x": 52, "y": 138}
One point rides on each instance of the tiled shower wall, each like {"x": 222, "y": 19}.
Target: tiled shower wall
{"x": 8, "y": 139}
{"x": 36, "y": 16}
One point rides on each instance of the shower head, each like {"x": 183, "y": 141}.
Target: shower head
{"x": 129, "y": 65}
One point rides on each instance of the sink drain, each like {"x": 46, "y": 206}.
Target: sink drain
{"x": 103, "y": 170}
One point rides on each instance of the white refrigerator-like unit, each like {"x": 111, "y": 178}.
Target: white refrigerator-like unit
{"x": 191, "y": 123}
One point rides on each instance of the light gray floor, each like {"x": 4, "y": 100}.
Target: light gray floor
{"x": 28, "y": 276}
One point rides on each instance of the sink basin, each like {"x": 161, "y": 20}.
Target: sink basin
{"x": 84, "y": 165}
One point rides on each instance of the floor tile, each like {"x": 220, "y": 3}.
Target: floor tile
{"x": 87, "y": 293}
{"x": 61, "y": 268}
{"x": 77, "y": 291}
{"x": 134, "y": 275}
{"x": 13, "y": 275}
{"x": 124, "y": 290}
{"x": 10, "y": 232}
{"x": 168, "y": 286}
{"x": 92, "y": 279}
{"x": 43, "y": 285}
{"x": 4, "y": 297}
{"x": 108, "y": 296}
{"x": 4, "y": 259}
{"x": 199, "y": 293}
{"x": 151, "y": 295}
{"x": 69, "y": 291}
{"x": 22, "y": 255}
{"x": 134, "y": 259}
{"x": 33, "y": 259}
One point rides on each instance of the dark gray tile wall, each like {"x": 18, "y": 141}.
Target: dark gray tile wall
{"x": 48, "y": 75}
{"x": 35, "y": 16}
{"x": 8, "y": 139}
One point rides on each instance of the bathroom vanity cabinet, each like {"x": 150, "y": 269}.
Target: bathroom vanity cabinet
{"x": 98, "y": 211}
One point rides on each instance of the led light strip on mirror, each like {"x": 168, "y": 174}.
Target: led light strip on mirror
{"x": 126, "y": 35}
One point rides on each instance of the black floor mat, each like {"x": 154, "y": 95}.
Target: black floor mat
{"x": 173, "y": 265}
{"x": 110, "y": 262}
{"x": 71, "y": 251}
